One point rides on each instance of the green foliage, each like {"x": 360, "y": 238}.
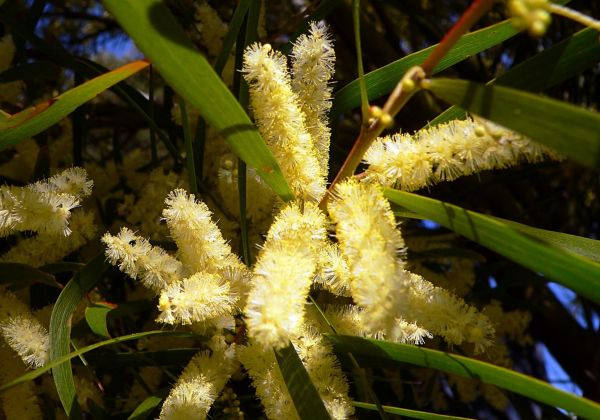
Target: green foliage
{"x": 375, "y": 351}
{"x": 517, "y": 96}
{"x": 160, "y": 37}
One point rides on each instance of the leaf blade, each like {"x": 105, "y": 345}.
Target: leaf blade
{"x": 369, "y": 349}
{"x": 60, "y": 330}
{"x": 306, "y": 398}
{"x": 413, "y": 414}
{"x": 32, "y": 374}
{"x": 32, "y": 121}
{"x": 158, "y": 34}
{"x": 560, "y": 62}
{"x": 569, "y": 129}
{"x": 565, "y": 267}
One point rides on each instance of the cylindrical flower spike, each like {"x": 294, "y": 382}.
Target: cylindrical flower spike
{"x": 446, "y": 152}
{"x": 367, "y": 236}
{"x": 28, "y": 338}
{"x": 281, "y": 121}
{"x": 267, "y": 379}
{"x": 136, "y": 257}
{"x": 200, "y": 245}
{"x": 283, "y": 274}
{"x": 313, "y": 60}
{"x": 200, "y": 383}
{"x": 195, "y": 299}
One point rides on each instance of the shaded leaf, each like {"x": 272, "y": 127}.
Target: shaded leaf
{"x": 369, "y": 351}
{"x": 22, "y": 275}
{"x": 306, "y": 399}
{"x": 145, "y": 409}
{"x": 158, "y": 34}
{"x": 60, "y": 333}
{"x": 413, "y": 414}
{"x": 569, "y": 129}
{"x": 96, "y": 317}
{"x": 67, "y": 357}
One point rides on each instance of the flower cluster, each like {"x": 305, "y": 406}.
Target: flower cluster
{"x": 296, "y": 132}
{"x": 447, "y": 151}
{"x": 531, "y": 15}
{"x": 46, "y": 208}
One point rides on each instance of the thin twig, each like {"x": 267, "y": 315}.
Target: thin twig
{"x": 401, "y": 95}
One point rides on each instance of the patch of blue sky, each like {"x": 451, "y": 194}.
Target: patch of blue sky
{"x": 568, "y": 299}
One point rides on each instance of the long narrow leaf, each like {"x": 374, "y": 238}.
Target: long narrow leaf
{"x": 368, "y": 351}
{"x": 383, "y": 80}
{"x": 146, "y": 408}
{"x": 158, "y": 34}
{"x": 412, "y": 414}
{"x": 65, "y": 358}
{"x": 560, "y": 62}
{"x": 569, "y": 129}
{"x": 32, "y": 121}
{"x": 588, "y": 248}
{"x": 60, "y": 333}
{"x": 306, "y": 399}
{"x": 570, "y": 269}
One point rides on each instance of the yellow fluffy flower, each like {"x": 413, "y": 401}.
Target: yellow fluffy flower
{"x": 136, "y": 257}
{"x": 447, "y": 151}
{"x": 313, "y": 60}
{"x": 281, "y": 121}
{"x": 283, "y": 275}
{"x": 194, "y": 299}
{"x": 200, "y": 383}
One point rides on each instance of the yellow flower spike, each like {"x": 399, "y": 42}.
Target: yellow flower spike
{"x": 281, "y": 122}
{"x": 313, "y": 60}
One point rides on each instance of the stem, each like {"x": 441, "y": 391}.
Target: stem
{"x": 475, "y": 11}
{"x": 364, "y": 100}
{"x": 574, "y": 15}
{"x": 401, "y": 95}
{"x": 153, "y": 149}
{"x": 189, "y": 147}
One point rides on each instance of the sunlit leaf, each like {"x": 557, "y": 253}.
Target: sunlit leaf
{"x": 32, "y": 121}
{"x": 524, "y": 245}
{"x": 158, "y": 34}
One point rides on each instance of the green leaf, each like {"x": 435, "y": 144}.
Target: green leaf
{"x": 383, "y": 80}
{"x": 306, "y": 398}
{"x": 586, "y": 247}
{"x": 68, "y": 356}
{"x": 22, "y": 275}
{"x": 413, "y": 414}
{"x": 376, "y": 351}
{"x": 569, "y": 129}
{"x": 157, "y": 33}
{"x": 34, "y": 120}
{"x": 526, "y": 246}
{"x": 145, "y": 409}
{"x": 562, "y": 61}
{"x": 233, "y": 30}
{"x": 60, "y": 333}
{"x": 96, "y": 317}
